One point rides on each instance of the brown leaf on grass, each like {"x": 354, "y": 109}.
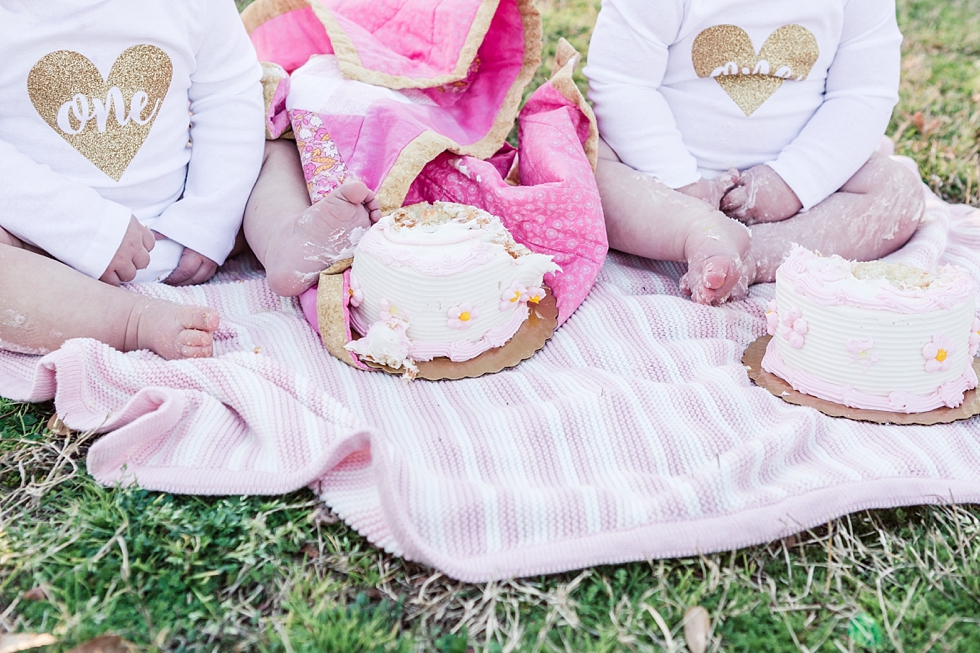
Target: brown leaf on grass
{"x": 919, "y": 121}
{"x": 13, "y": 642}
{"x": 56, "y": 426}
{"x": 35, "y": 594}
{"x": 105, "y": 644}
{"x": 310, "y": 550}
{"x": 697, "y": 628}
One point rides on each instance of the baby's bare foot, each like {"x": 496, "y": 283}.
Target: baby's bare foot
{"x": 719, "y": 261}
{"x": 319, "y": 237}
{"x": 171, "y": 330}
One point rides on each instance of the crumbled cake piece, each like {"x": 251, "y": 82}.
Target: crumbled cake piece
{"x": 425, "y": 215}
{"x": 900, "y": 275}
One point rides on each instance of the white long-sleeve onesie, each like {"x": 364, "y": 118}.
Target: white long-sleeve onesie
{"x": 95, "y": 126}
{"x": 685, "y": 89}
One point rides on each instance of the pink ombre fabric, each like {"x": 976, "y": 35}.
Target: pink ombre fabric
{"x": 555, "y": 211}
{"x": 634, "y": 434}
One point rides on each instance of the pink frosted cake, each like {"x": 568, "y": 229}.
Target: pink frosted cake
{"x": 877, "y": 336}
{"x": 440, "y": 280}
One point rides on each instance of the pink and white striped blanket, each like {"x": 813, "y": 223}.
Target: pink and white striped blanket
{"x": 635, "y": 433}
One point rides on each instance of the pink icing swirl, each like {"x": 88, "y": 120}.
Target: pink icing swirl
{"x": 813, "y": 277}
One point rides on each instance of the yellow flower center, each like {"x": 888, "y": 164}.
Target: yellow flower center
{"x": 941, "y": 355}
{"x": 464, "y": 316}
{"x": 863, "y": 354}
{"x": 534, "y": 299}
{"x": 516, "y": 296}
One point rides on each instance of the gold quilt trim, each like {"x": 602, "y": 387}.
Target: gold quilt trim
{"x": 351, "y": 65}
{"x": 261, "y": 11}
{"x": 566, "y": 61}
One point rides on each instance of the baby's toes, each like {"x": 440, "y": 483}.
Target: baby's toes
{"x": 714, "y": 280}
{"x": 194, "y": 338}
{"x": 198, "y": 318}
{"x": 354, "y": 192}
{"x": 715, "y": 272}
{"x": 196, "y": 352}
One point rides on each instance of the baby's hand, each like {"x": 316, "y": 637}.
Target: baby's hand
{"x": 193, "y": 268}
{"x": 711, "y": 191}
{"x": 133, "y": 254}
{"x": 761, "y": 195}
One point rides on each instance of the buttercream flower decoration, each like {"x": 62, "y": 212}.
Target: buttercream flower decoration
{"x": 975, "y": 337}
{"x": 462, "y": 315}
{"x": 387, "y": 310}
{"x": 938, "y": 353}
{"x": 354, "y": 290}
{"x": 860, "y": 352}
{"x": 772, "y": 318}
{"x": 535, "y": 295}
{"x": 794, "y": 328}
{"x": 515, "y": 294}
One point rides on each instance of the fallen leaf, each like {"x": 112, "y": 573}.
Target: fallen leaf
{"x": 790, "y": 541}
{"x": 310, "y": 551}
{"x": 56, "y": 426}
{"x": 697, "y": 628}
{"x": 10, "y": 643}
{"x": 105, "y": 644}
{"x": 919, "y": 121}
{"x": 35, "y": 594}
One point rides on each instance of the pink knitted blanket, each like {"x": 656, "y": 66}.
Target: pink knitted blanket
{"x": 634, "y": 434}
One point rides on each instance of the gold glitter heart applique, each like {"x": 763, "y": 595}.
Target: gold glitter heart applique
{"x": 725, "y": 52}
{"x": 106, "y": 120}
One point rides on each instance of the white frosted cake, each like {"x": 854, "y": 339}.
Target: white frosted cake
{"x": 876, "y": 335}
{"x": 440, "y": 280}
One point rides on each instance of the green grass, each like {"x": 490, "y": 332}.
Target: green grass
{"x": 181, "y": 573}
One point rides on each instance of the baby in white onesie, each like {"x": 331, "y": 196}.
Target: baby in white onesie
{"x": 734, "y": 128}
{"x": 131, "y": 135}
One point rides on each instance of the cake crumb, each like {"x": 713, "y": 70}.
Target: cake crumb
{"x": 900, "y": 275}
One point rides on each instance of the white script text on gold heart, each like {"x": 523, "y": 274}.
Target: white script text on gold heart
{"x": 725, "y": 52}
{"x": 106, "y": 120}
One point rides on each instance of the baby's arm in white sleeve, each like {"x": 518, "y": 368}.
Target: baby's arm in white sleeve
{"x": 228, "y": 136}
{"x": 627, "y": 62}
{"x": 861, "y": 91}
{"x": 68, "y": 220}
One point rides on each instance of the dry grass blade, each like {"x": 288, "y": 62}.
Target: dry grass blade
{"x": 11, "y": 643}
{"x": 105, "y": 644}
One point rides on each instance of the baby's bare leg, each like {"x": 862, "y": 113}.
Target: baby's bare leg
{"x": 43, "y": 303}
{"x": 293, "y": 240}
{"x": 872, "y": 215}
{"x": 648, "y": 218}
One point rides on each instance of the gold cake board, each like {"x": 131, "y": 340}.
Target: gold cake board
{"x": 752, "y": 359}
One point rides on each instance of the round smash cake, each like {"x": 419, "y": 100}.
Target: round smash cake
{"x": 440, "y": 280}
{"x": 877, "y": 336}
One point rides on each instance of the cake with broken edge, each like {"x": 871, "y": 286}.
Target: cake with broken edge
{"x": 876, "y": 335}
{"x": 440, "y": 280}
